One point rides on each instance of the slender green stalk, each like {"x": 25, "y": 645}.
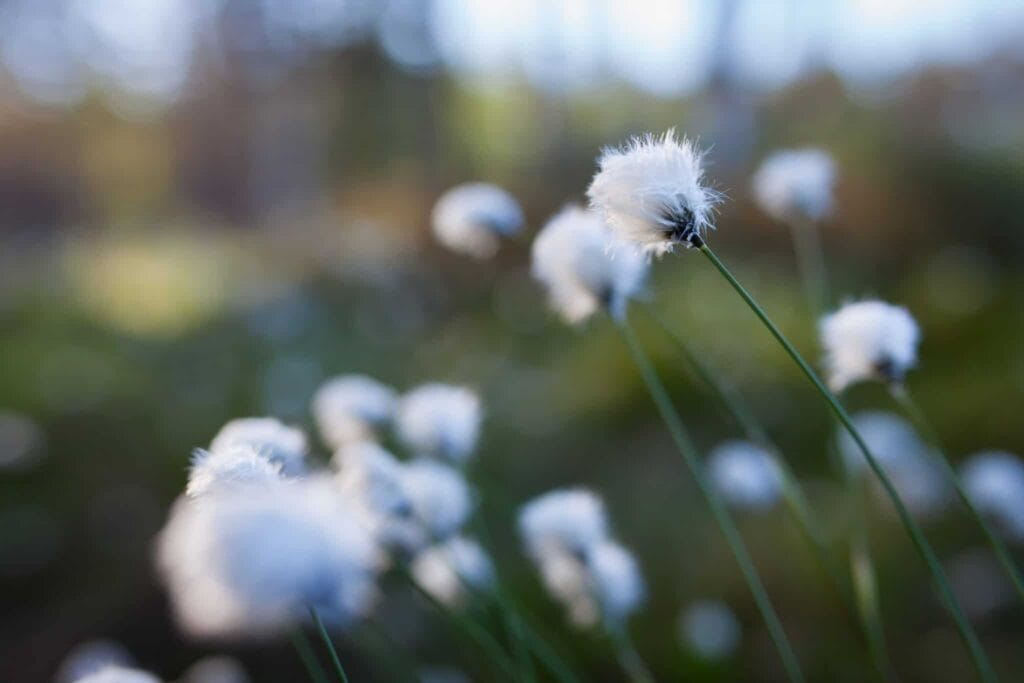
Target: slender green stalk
{"x": 632, "y": 663}
{"x": 810, "y": 261}
{"x": 326, "y": 638}
{"x": 917, "y": 416}
{"x": 688, "y": 451}
{"x": 305, "y": 651}
{"x": 964, "y": 628}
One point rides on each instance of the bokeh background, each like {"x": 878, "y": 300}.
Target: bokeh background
{"x": 207, "y": 207}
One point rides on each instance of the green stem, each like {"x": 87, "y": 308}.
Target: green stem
{"x": 326, "y": 638}
{"x": 810, "y": 261}
{"x": 305, "y": 651}
{"x": 917, "y": 416}
{"x": 964, "y": 628}
{"x": 688, "y": 451}
{"x": 632, "y": 663}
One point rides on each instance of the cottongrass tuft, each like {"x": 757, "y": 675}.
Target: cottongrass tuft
{"x": 572, "y": 520}
{"x": 617, "y": 583}
{"x": 994, "y": 482}
{"x": 446, "y": 570}
{"x": 119, "y": 674}
{"x": 92, "y": 656}
{"x": 584, "y": 268}
{"x": 237, "y": 466}
{"x": 216, "y": 669}
{"x": 745, "y": 474}
{"x": 440, "y": 420}
{"x": 867, "y": 340}
{"x": 471, "y": 219}
{"x": 440, "y": 497}
{"x": 273, "y": 439}
{"x": 795, "y": 184}
{"x": 350, "y": 408}
{"x": 651, "y": 192}
{"x": 710, "y": 629}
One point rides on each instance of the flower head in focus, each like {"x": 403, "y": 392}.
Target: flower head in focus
{"x": 796, "y": 183}
{"x": 868, "y": 340}
{"x": 472, "y": 218}
{"x": 994, "y": 481}
{"x": 270, "y": 437}
{"x": 119, "y": 674}
{"x": 746, "y": 474}
{"x": 349, "y": 408}
{"x": 237, "y": 466}
{"x": 440, "y": 420}
{"x": 651, "y": 192}
{"x": 584, "y": 267}
{"x": 446, "y": 570}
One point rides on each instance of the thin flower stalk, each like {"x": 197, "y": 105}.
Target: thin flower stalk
{"x": 810, "y": 262}
{"x": 688, "y": 451}
{"x": 309, "y": 660}
{"x": 921, "y": 544}
{"x": 339, "y": 670}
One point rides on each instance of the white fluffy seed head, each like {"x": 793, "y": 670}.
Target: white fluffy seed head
{"x": 119, "y": 674}
{"x": 568, "y": 520}
{"x": 615, "y": 581}
{"x": 270, "y": 437}
{"x": 796, "y": 184}
{"x": 441, "y": 499}
{"x": 446, "y": 570}
{"x": 216, "y": 669}
{"x": 440, "y": 420}
{"x": 350, "y": 408}
{"x": 994, "y": 481}
{"x": 235, "y": 467}
{"x": 246, "y": 564}
{"x": 92, "y": 656}
{"x": 472, "y": 218}
{"x": 584, "y": 267}
{"x": 651, "y": 192}
{"x": 710, "y": 629}
{"x": 868, "y": 340}
{"x": 745, "y": 474}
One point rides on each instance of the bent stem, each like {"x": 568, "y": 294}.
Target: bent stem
{"x": 967, "y": 634}
{"x": 909, "y": 405}
{"x": 633, "y": 665}
{"x": 326, "y": 638}
{"x": 305, "y": 652}
{"x": 688, "y": 451}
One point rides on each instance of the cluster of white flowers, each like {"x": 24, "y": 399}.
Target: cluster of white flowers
{"x": 796, "y": 183}
{"x": 584, "y": 268}
{"x": 868, "y": 340}
{"x": 565, "y": 533}
{"x": 745, "y": 474}
{"x": 472, "y": 218}
{"x": 994, "y": 481}
{"x": 913, "y": 468}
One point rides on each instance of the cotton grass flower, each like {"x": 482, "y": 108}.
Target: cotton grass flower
{"x": 119, "y": 674}
{"x": 746, "y": 474}
{"x": 89, "y": 657}
{"x": 273, "y": 439}
{"x": 216, "y": 669}
{"x": 584, "y": 268}
{"x": 441, "y": 499}
{"x": 440, "y": 420}
{"x": 572, "y": 520}
{"x": 472, "y": 218}
{"x": 350, "y": 408}
{"x": 651, "y": 193}
{"x": 796, "y": 184}
{"x": 994, "y": 482}
{"x": 234, "y": 467}
{"x": 446, "y": 570}
{"x": 616, "y": 581}
{"x": 867, "y": 340}
{"x": 710, "y": 629}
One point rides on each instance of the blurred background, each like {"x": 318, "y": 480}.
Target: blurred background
{"x": 207, "y": 207}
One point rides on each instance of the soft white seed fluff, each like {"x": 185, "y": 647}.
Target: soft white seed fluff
{"x": 651, "y": 192}
{"x": 446, "y": 570}
{"x": 796, "y": 183}
{"x": 868, "y": 340}
{"x": 350, "y": 408}
{"x": 710, "y": 629}
{"x": 246, "y": 564}
{"x": 584, "y": 267}
{"x": 745, "y": 474}
{"x": 471, "y": 219}
{"x": 994, "y": 481}
{"x": 216, "y": 669}
{"x": 440, "y": 420}
{"x": 615, "y": 580}
{"x": 566, "y": 577}
{"x": 913, "y": 468}
{"x": 92, "y": 656}
{"x": 441, "y": 499}
{"x": 572, "y": 520}
{"x": 270, "y": 437}
{"x": 235, "y": 467}
{"x": 119, "y": 674}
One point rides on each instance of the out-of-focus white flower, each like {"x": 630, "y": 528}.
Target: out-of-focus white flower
{"x": 246, "y": 564}
{"x": 445, "y": 570}
{"x": 440, "y": 420}
{"x": 119, "y": 674}
{"x": 234, "y": 467}
{"x": 350, "y": 407}
{"x": 994, "y": 481}
{"x": 796, "y": 183}
{"x": 710, "y": 629}
{"x": 216, "y": 669}
{"x": 439, "y": 495}
{"x": 745, "y": 474}
{"x": 269, "y": 436}
{"x": 584, "y": 267}
{"x": 868, "y": 340}
{"x": 615, "y": 580}
{"x": 572, "y": 520}
{"x": 566, "y": 577}
{"x": 92, "y": 656}
{"x": 911, "y": 466}
{"x": 651, "y": 192}
{"x": 471, "y": 218}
